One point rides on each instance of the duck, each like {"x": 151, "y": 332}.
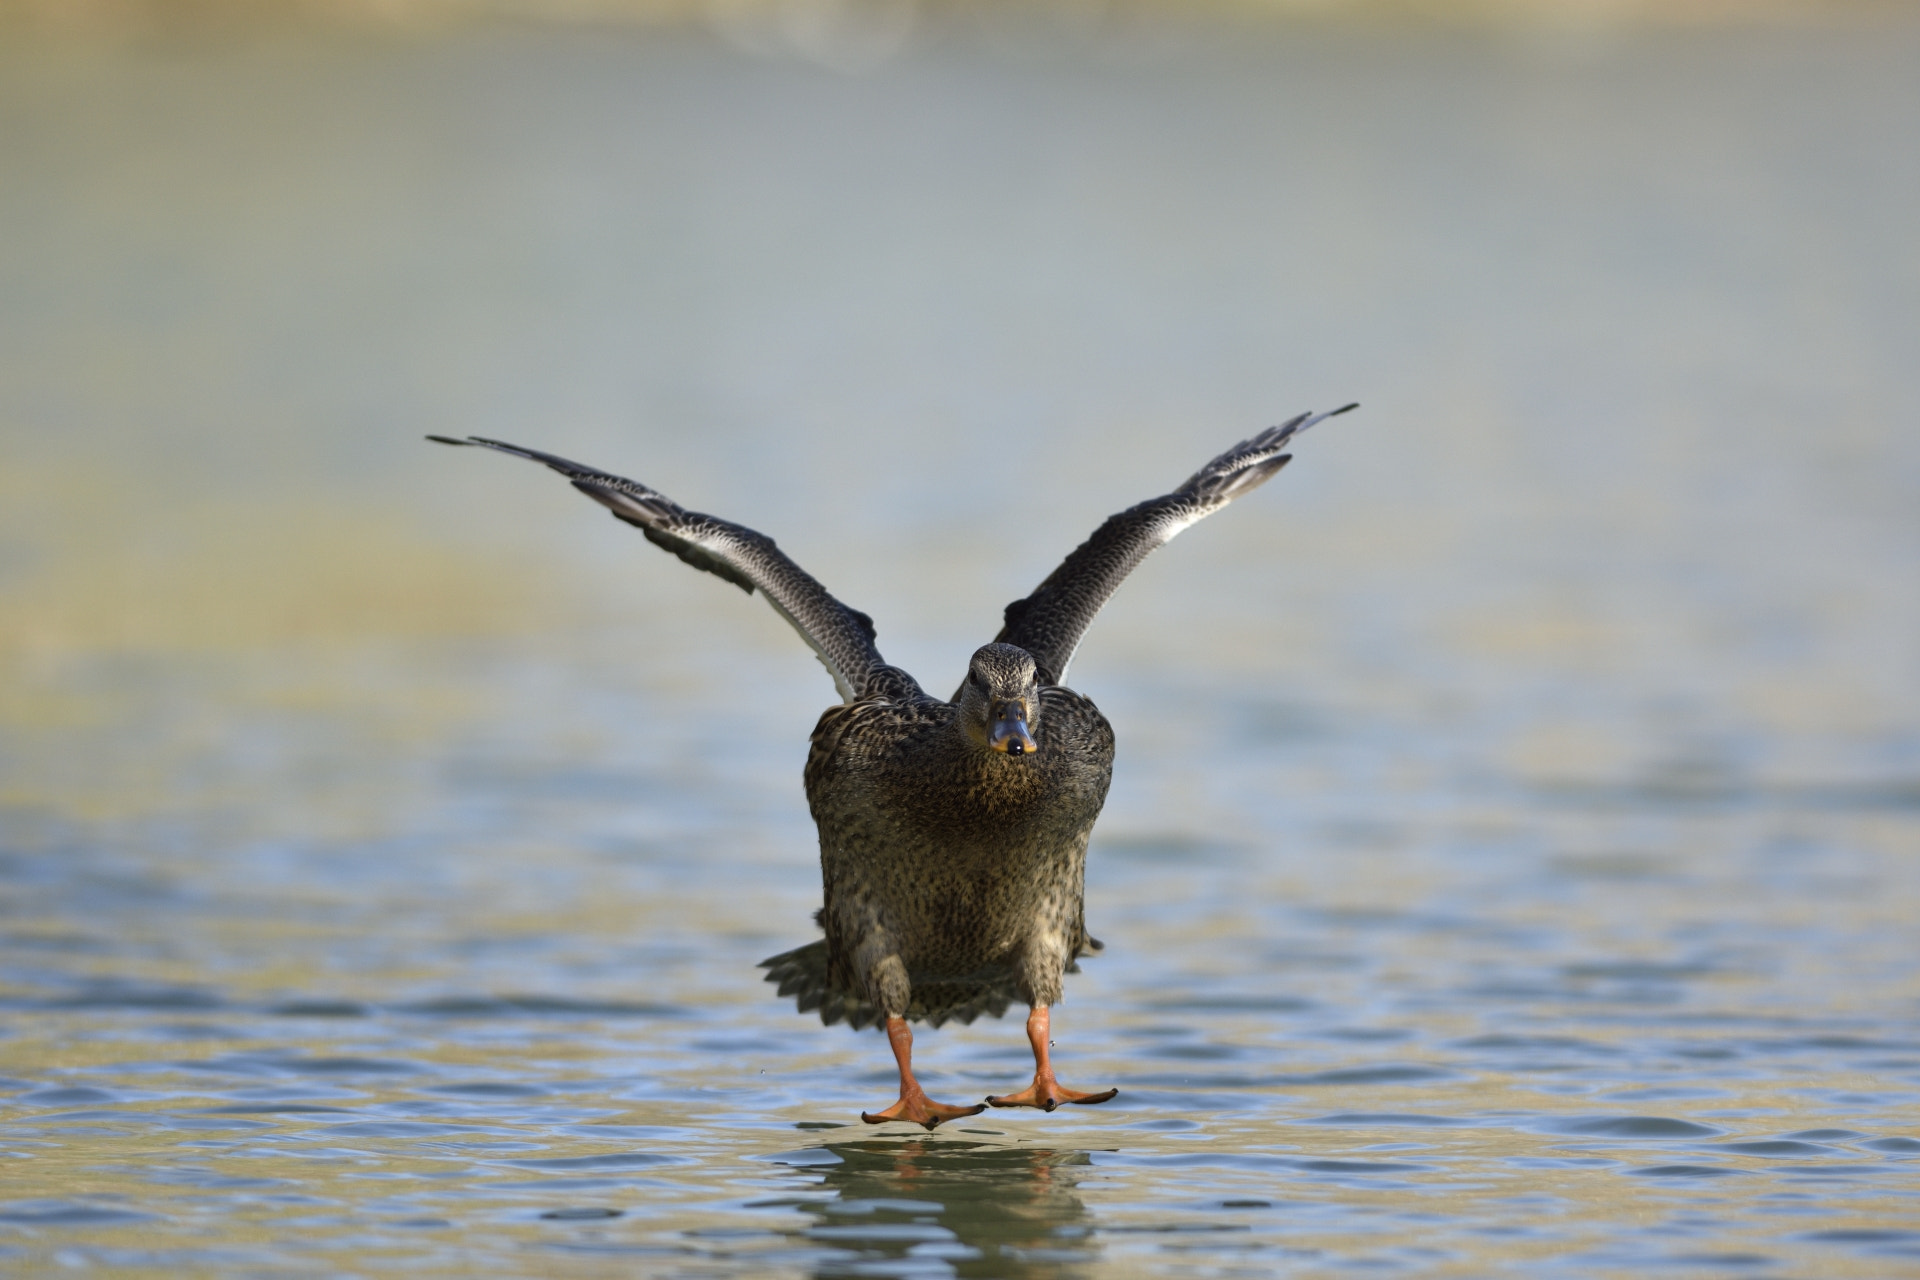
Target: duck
{"x": 953, "y": 832}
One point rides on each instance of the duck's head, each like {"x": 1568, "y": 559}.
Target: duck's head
{"x": 1000, "y": 701}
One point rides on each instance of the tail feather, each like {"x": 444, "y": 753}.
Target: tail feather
{"x": 803, "y": 973}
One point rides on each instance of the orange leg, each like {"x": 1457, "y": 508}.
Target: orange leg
{"x": 1045, "y": 1092}
{"x": 914, "y": 1105}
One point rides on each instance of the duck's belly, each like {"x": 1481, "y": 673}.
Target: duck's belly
{"x": 955, "y": 860}
{"x": 968, "y": 893}
{"x": 983, "y": 908}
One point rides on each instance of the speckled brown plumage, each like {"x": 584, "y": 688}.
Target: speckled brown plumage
{"x": 953, "y": 835}
{"x": 954, "y": 874}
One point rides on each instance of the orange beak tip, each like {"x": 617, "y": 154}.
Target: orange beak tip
{"x": 1012, "y": 737}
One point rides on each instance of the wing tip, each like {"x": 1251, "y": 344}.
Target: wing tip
{"x": 1310, "y": 419}
{"x": 450, "y": 440}
{"x": 1306, "y": 422}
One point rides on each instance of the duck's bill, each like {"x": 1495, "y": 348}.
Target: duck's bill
{"x": 1009, "y": 734}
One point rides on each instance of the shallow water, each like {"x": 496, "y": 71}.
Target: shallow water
{"x": 1511, "y": 862}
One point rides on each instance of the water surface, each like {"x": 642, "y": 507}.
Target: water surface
{"x": 1511, "y": 862}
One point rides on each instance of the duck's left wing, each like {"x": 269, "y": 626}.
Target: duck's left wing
{"x": 1049, "y": 623}
{"x": 842, "y": 637}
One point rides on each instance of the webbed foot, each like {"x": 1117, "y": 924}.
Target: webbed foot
{"x": 917, "y": 1108}
{"x": 1047, "y": 1093}
{"x": 914, "y": 1106}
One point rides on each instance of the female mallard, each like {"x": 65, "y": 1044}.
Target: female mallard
{"x": 953, "y": 835}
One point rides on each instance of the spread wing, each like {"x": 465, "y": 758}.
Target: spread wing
{"x": 840, "y": 636}
{"x": 1049, "y": 623}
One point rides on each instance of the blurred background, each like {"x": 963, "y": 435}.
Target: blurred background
{"x": 1546, "y": 745}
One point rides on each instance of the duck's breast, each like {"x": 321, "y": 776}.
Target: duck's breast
{"x": 961, "y": 853}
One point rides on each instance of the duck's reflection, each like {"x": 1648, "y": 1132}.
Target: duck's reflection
{"x": 925, "y": 1207}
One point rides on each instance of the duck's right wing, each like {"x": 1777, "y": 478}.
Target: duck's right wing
{"x": 842, "y": 637}
{"x": 1049, "y": 623}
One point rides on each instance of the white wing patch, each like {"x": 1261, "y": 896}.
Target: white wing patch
{"x": 840, "y": 637}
